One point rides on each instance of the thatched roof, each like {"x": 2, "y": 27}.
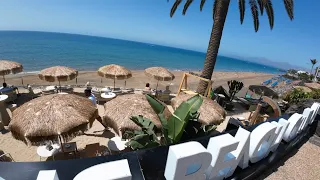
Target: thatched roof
{"x": 58, "y": 73}
{"x": 8, "y": 67}
{"x": 114, "y": 71}
{"x": 159, "y": 73}
{"x": 210, "y": 111}
{"x": 46, "y": 117}
{"x": 119, "y": 110}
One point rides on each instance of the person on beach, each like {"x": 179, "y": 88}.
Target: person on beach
{"x": 147, "y": 88}
{"x": 90, "y": 96}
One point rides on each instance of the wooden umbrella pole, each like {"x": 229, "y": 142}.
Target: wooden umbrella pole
{"x": 4, "y": 79}
{"x": 157, "y": 87}
{"x": 114, "y": 83}
{"x": 60, "y": 141}
{"x": 59, "y": 86}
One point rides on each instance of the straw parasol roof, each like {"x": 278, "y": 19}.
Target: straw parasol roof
{"x": 119, "y": 110}
{"x": 114, "y": 71}
{"x": 8, "y": 67}
{"x": 159, "y": 73}
{"x": 58, "y": 73}
{"x": 211, "y": 113}
{"x": 47, "y": 117}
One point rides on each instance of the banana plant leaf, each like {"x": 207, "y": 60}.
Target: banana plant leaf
{"x": 143, "y": 141}
{"x": 159, "y": 108}
{"x": 155, "y": 104}
{"x": 143, "y": 122}
{"x": 178, "y": 121}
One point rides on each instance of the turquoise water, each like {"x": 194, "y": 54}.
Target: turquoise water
{"x": 39, "y": 50}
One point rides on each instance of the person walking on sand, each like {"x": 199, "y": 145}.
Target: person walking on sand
{"x": 147, "y": 88}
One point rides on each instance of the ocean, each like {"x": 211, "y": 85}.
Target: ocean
{"x": 39, "y": 50}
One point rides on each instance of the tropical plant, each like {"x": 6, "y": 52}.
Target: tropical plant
{"x": 181, "y": 125}
{"x": 296, "y": 95}
{"x": 234, "y": 87}
{"x": 220, "y": 11}
{"x": 313, "y": 62}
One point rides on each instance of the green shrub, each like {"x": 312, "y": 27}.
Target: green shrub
{"x": 296, "y": 95}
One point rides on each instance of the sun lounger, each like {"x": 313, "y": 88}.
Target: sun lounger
{"x": 6, "y": 157}
{"x": 267, "y": 82}
{"x": 274, "y": 84}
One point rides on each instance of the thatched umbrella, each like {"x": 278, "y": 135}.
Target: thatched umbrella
{"x": 119, "y": 110}
{"x": 9, "y": 67}
{"x": 52, "y": 116}
{"x": 211, "y": 113}
{"x": 160, "y": 74}
{"x": 58, "y": 73}
{"x": 114, "y": 72}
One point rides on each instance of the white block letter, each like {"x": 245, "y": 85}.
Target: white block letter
{"x": 48, "y": 175}
{"x": 260, "y": 140}
{"x": 306, "y": 117}
{"x": 294, "y": 123}
{"x": 187, "y": 161}
{"x": 242, "y": 152}
{"x": 315, "y": 107}
{"x": 278, "y": 138}
{"x": 222, "y": 159}
{"x": 115, "y": 170}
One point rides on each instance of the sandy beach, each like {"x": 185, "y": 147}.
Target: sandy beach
{"x": 21, "y": 152}
{"x": 139, "y": 79}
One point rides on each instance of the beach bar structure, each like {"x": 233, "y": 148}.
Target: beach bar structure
{"x": 188, "y": 160}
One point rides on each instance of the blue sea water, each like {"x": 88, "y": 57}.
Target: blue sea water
{"x": 39, "y": 50}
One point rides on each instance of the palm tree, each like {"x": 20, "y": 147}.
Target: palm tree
{"x": 220, "y": 11}
{"x": 313, "y": 62}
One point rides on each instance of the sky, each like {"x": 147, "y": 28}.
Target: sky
{"x": 295, "y": 42}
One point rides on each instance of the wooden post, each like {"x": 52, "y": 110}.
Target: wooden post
{"x": 181, "y": 83}
{"x": 186, "y": 82}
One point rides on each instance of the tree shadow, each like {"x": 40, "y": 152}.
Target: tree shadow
{"x": 106, "y": 134}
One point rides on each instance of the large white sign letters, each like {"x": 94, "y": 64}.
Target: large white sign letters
{"x": 228, "y": 152}
{"x": 224, "y": 153}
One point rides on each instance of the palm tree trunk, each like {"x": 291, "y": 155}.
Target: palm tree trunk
{"x": 311, "y": 69}
{"x": 214, "y": 43}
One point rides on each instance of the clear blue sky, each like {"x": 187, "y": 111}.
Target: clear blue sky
{"x": 149, "y": 21}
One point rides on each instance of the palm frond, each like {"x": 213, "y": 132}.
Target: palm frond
{"x": 201, "y": 4}
{"x": 260, "y": 2}
{"x": 215, "y": 7}
{"x": 255, "y": 14}
{"x": 242, "y": 9}
{"x": 313, "y": 61}
{"x": 174, "y": 7}
{"x": 269, "y": 9}
{"x": 186, "y": 6}
{"x": 289, "y": 7}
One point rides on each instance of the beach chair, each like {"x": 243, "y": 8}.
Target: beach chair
{"x": 274, "y": 84}
{"x": 6, "y": 157}
{"x": 267, "y": 82}
{"x": 92, "y": 150}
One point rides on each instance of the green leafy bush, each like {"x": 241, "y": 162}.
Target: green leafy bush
{"x": 296, "y": 95}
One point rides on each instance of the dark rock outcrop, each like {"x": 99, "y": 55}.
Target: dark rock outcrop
{"x": 300, "y": 106}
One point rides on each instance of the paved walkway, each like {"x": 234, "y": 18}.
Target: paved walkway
{"x": 303, "y": 165}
